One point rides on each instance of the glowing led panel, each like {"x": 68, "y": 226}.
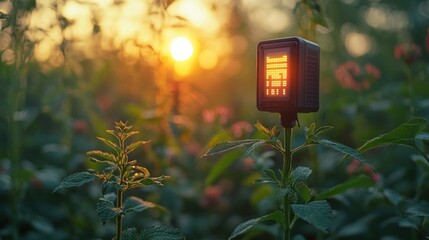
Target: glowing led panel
{"x": 276, "y": 69}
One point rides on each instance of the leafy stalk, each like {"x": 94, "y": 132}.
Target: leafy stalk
{"x": 287, "y": 166}
{"x": 121, "y": 175}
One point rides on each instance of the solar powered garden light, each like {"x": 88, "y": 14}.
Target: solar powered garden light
{"x": 288, "y": 77}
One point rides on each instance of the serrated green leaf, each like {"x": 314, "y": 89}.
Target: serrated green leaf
{"x": 421, "y": 162}
{"x": 93, "y": 159}
{"x": 130, "y": 234}
{"x": 129, "y": 134}
{"x": 300, "y": 174}
{"x": 361, "y": 181}
{"x": 76, "y": 180}
{"x": 107, "y": 156}
{"x": 253, "y": 147}
{"x": 309, "y": 131}
{"x": 319, "y": 19}
{"x": 135, "y": 204}
{"x": 270, "y": 174}
{"x": 106, "y": 210}
{"x": 304, "y": 192}
{"x": 112, "y": 132}
{"x": 285, "y": 191}
{"x": 275, "y": 131}
{"x": 276, "y": 216}
{"x": 134, "y": 146}
{"x": 405, "y": 134}
{"x": 317, "y": 213}
{"x": 264, "y": 130}
{"x": 143, "y": 170}
{"x": 109, "y": 143}
{"x": 153, "y": 180}
{"x": 228, "y": 146}
{"x": 410, "y": 222}
{"x": 392, "y": 196}
{"x": 344, "y": 149}
{"x": 161, "y": 233}
{"x": 322, "y": 129}
{"x": 419, "y": 209}
{"x": 221, "y": 166}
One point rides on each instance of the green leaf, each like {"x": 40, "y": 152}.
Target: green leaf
{"x": 270, "y": 177}
{"x": 246, "y": 226}
{"x": 106, "y": 210}
{"x": 93, "y": 159}
{"x": 76, "y": 180}
{"x": 421, "y": 162}
{"x": 405, "y": 134}
{"x": 161, "y": 233}
{"x": 108, "y": 156}
{"x": 321, "y": 21}
{"x": 300, "y": 174}
{"x": 317, "y": 213}
{"x": 153, "y": 180}
{"x": 309, "y": 131}
{"x": 134, "y": 146}
{"x": 392, "y": 196}
{"x": 323, "y": 129}
{"x": 109, "y": 143}
{"x": 129, "y": 234}
{"x": 420, "y": 209}
{"x": 304, "y": 192}
{"x": 135, "y": 204}
{"x": 264, "y": 130}
{"x": 344, "y": 149}
{"x": 228, "y": 146}
{"x": 361, "y": 181}
{"x": 221, "y": 166}
{"x": 253, "y": 147}
{"x": 142, "y": 170}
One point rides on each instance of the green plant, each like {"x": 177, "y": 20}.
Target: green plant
{"x": 119, "y": 176}
{"x": 297, "y": 199}
{"x": 300, "y": 202}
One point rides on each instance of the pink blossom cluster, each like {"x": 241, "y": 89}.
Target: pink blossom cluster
{"x": 221, "y": 113}
{"x": 352, "y": 75}
{"x": 356, "y": 167}
{"x": 409, "y": 53}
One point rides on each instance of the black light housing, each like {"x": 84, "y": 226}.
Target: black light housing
{"x": 288, "y": 72}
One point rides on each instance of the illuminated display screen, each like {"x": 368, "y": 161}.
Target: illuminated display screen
{"x": 276, "y": 72}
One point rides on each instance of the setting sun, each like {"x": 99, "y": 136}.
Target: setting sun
{"x": 181, "y": 49}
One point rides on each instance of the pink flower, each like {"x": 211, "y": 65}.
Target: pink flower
{"x": 223, "y": 114}
{"x": 372, "y": 71}
{"x": 80, "y": 126}
{"x": 350, "y": 75}
{"x": 409, "y": 53}
{"x": 212, "y": 196}
{"x": 248, "y": 163}
{"x": 239, "y": 128}
{"x": 357, "y": 167}
{"x": 209, "y": 116}
{"x": 353, "y": 166}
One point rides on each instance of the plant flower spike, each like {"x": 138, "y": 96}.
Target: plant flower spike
{"x": 120, "y": 175}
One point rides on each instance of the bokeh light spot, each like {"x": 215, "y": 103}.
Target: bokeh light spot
{"x": 208, "y": 59}
{"x": 357, "y": 44}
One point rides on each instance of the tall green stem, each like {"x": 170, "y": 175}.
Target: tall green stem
{"x": 119, "y": 217}
{"x": 287, "y": 167}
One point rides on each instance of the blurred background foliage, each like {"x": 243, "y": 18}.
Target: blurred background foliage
{"x": 69, "y": 69}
